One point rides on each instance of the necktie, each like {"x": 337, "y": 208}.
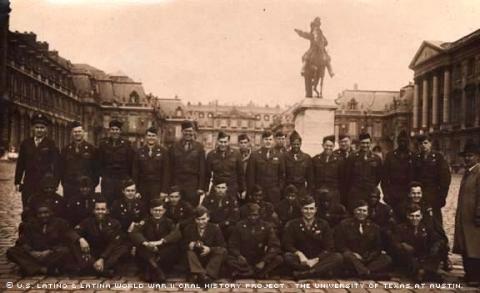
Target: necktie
{"x": 37, "y": 141}
{"x": 268, "y": 154}
{"x": 100, "y": 226}
{"x": 295, "y": 157}
{"x": 187, "y": 146}
{"x": 150, "y": 152}
{"x": 44, "y": 229}
{"x": 360, "y": 229}
{"x": 327, "y": 159}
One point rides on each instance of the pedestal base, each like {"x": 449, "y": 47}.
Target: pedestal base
{"x": 314, "y": 119}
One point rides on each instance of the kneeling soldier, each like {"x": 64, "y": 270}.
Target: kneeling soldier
{"x": 253, "y": 246}
{"x": 156, "y": 239}
{"x": 178, "y": 210}
{"x": 331, "y": 211}
{"x": 128, "y": 209}
{"x": 101, "y": 242}
{"x": 46, "y": 194}
{"x": 288, "y": 208}
{"x": 223, "y": 208}
{"x": 42, "y": 245}
{"x": 205, "y": 247}
{"x": 419, "y": 246}
{"x": 309, "y": 244}
{"x": 360, "y": 241}
{"x": 267, "y": 210}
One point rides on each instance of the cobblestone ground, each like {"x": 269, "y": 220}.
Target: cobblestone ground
{"x": 10, "y": 207}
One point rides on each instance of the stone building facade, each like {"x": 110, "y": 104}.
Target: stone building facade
{"x": 446, "y": 101}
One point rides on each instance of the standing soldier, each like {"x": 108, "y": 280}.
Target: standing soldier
{"x": 329, "y": 170}
{"x": 309, "y": 244}
{"x": 245, "y": 150}
{"x": 151, "y": 168}
{"x": 298, "y": 165}
{"x": 253, "y": 246}
{"x": 115, "y": 156}
{"x": 344, "y": 146}
{"x": 398, "y": 173}
{"x": 38, "y": 155}
{"x": 79, "y": 158}
{"x": 187, "y": 164}
{"x": 225, "y": 164}
{"x": 280, "y": 141}
{"x": 431, "y": 169}
{"x": 267, "y": 169}
{"x": 363, "y": 171}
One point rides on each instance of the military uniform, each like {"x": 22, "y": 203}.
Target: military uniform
{"x": 288, "y": 210}
{"x": 329, "y": 173}
{"x": 115, "y": 160}
{"x": 267, "y": 213}
{"x": 106, "y": 240}
{"x": 56, "y": 235}
{"x": 77, "y": 161}
{"x": 433, "y": 172}
{"x": 128, "y": 211}
{"x": 223, "y": 211}
{"x": 181, "y": 213}
{"x": 363, "y": 174}
{"x": 165, "y": 255}
{"x": 267, "y": 169}
{"x": 188, "y": 169}
{"x": 225, "y": 166}
{"x": 55, "y": 201}
{"x": 151, "y": 171}
{"x": 315, "y": 241}
{"x": 34, "y": 162}
{"x": 211, "y": 237}
{"x": 397, "y": 175}
{"x": 334, "y": 214}
{"x": 255, "y": 242}
{"x": 79, "y": 208}
{"x": 342, "y": 153}
{"x": 298, "y": 171}
{"x": 365, "y": 240}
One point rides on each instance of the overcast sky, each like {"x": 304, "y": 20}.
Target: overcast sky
{"x": 236, "y": 51}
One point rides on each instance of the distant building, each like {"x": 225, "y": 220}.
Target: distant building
{"x": 446, "y": 101}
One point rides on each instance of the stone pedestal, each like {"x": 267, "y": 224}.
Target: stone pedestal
{"x": 314, "y": 119}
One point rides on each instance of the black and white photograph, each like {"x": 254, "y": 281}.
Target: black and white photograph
{"x": 240, "y": 145}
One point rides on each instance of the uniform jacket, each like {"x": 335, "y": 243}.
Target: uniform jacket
{"x": 426, "y": 241}
{"x": 298, "y": 169}
{"x": 212, "y": 237}
{"x": 228, "y": 168}
{"x": 33, "y": 236}
{"x": 153, "y": 230}
{"x": 267, "y": 213}
{"x": 151, "y": 168}
{"x": 266, "y": 172}
{"x": 382, "y": 215}
{"x": 329, "y": 174}
{"x": 348, "y": 238}
{"x": 127, "y": 211}
{"x": 185, "y": 165}
{"x": 181, "y": 212}
{"x": 115, "y": 159}
{"x": 287, "y": 210}
{"x": 334, "y": 215}
{"x": 223, "y": 210}
{"x": 84, "y": 163}
{"x": 398, "y": 173}
{"x": 363, "y": 171}
{"x": 56, "y": 202}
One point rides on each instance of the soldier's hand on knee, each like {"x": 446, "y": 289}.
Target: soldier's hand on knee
{"x": 260, "y": 265}
{"x": 242, "y": 259}
{"x": 206, "y": 250}
{"x": 99, "y": 265}
{"x": 84, "y": 246}
{"x": 357, "y": 255}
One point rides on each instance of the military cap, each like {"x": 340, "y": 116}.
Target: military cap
{"x": 295, "y": 135}
{"x": 115, "y": 123}
{"x": 306, "y": 200}
{"x": 39, "y": 118}
{"x": 253, "y": 208}
{"x": 75, "y": 124}
{"x": 343, "y": 136}
{"x": 423, "y": 137}
{"x": 222, "y": 134}
{"x": 364, "y": 136}
{"x": 470, "y": 147}
{"x": 267, "y": 133}
{"x": 329, "y": 138}
{"x": 127, "y": 182}
{"x": 99, "y": 198}
{"x": 48, "y": 181}
{"x": 218, "y": 181}
{"x": 152, "y": 129}
{"x": 156, "y": 203}
{"x": 243, "y": 136}
{"x": 187, "y": 124}
{"x": 359, "y": 203}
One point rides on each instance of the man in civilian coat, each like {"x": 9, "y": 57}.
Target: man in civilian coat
{"x": 467, "y": 220}
{"x": 38, "y": 155}
{"x": 187, "y": 164}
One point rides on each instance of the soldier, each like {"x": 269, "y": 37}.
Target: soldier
{"x": 288, "y": 208}
{"x": 156, "y": 239}
{"x": 187, "y": 165}
{"x": 115, "y": 156}
{"x": 224, "y": 163}
{"x": 101, "y": 242}
{"x": 329, "y": 210}
{"x": 80, "y": 205}
{"x": 382, "y": 215}
{"x": 128, "y": 209}
{"x": 329, "y": 170}
{"x": 267, "y": 209}
{"x": 79, "y": 158}
{"x": 431, "y": 169}
{"x": 298, "y": 165}
{"x": 178, "y": 210}
{"x": 38, "y": 156}
{"x": 46, "y": 194}
{"x": 419, "y": 247}
{"x": 266, "y": 168}
{"x": 245, "y": 150}
{"x": 280, "y": 142}
{"x": 42, "y": 245}
{"x": 344, "y": 146}
{"x": 223, "y": 209}
{"x": 150, "y": 168}
{"x": 308, "y": 242}
{"x": 398, "y": 173}
{"x": 360, "y": 242}
{"x": 363, "y": 171}
{"x": 205, "y": 247}
{"x": 254, "y": 249}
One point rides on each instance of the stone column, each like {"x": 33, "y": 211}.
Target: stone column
{"x": 425, "y": 103}
{"x": 416, "y": 94}
{"x": 435, "y": 101}
{"x": 446, "y": 96}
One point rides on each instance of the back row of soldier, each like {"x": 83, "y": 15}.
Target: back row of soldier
{"x": 256, "y": 197}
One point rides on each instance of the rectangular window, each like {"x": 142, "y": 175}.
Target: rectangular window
{"x": 352, "y": 128}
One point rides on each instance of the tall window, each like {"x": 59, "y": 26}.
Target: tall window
{"x": 352, "y": 128}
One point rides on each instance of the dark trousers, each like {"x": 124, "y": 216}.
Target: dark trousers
{"x": 247, "y": 268}
{"x": 164, "y": 258}
{"x": 327, "y": 263}
{"x": 413, "y": 263}
{"x": 31, "y": 265}
{"x": 364, "y": 267}
{"x": 112, "y": 188}
{"x": 85, "y": 261}
{"x": 209, "y": 264}
{"x": 471, "y": 267}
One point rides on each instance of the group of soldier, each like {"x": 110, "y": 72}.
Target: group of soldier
{"x": 256, "y": 213}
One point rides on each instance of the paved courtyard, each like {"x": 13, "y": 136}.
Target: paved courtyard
{"x": 10, "y": 207}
